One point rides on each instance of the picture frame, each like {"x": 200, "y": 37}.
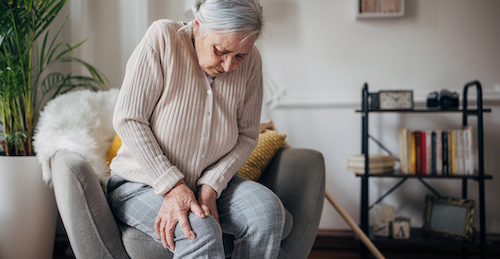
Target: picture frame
{"x": 449, "y": 218}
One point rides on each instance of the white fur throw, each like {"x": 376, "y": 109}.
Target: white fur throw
{"x": 80, "y": 121}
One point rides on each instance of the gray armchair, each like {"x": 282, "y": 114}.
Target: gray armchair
{"x": 297, "y": 176}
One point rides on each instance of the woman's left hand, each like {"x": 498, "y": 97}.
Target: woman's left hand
{"x": 207, "y": 199}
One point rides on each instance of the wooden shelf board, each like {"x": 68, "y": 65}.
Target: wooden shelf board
{"x": 398, "y": 174}
{"x": 379, "y": 15}
{"x": 428, "y": 110}
{"x": 417, "y": 236}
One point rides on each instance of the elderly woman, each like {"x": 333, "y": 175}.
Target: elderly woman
{"x": 188, "y": 115}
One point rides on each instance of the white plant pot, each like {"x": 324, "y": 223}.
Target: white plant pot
{"x": 28, "y": 211}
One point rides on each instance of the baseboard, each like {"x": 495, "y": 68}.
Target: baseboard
{"x": 341, "y": 239}
{"x": 336, "y": 239}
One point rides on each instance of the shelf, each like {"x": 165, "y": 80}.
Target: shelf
{"x": 428, "y": 110}
{"x": 367, "y": 9}
{"x": 398, "y": 174}
{"x": 379, "y": 15}
{"x": 416, "y": 235}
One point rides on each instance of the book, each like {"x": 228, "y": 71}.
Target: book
{"x": 444, "y": 138}
{"x": 372, "y": 158}
{"x": 423, "y": 156}
{"x": 468, "y": 154}
{"x": 418, "y": 152}
{"x": 456, "y": 154}
{"x": 439, "y": 153}
{"x": 408, "y": 152}
{"x": 372, "y": 165}
{"x": 402, "y": 150}
{"x": 428, "y": 151}
{"x": 464, "y": 156}
{"x": 369, "y": 6}
{"x": 364, "y": 6}
{"x": 450, "y": 172}
{"x": 405, "y": 150}
{"x": 459, "y": 152}
{"x": 413, "y": 153}
{"x": 361, "y": 171}
{"x": 453, "y": 165}
{"x": 433, "y": 154}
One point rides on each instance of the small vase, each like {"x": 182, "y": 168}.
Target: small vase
{"x": 28, "y": 211}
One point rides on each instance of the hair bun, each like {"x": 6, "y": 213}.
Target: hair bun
{"x": 197, "y": 6}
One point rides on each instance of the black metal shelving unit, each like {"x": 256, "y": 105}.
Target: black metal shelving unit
{"x": 479, "y": 176}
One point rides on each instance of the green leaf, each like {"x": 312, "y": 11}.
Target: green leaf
{"x": 49, "y": 16}
{"x": 95, "y": 74}
{"x": 52, "y": 81}
{"x": 42, "y": 52}
{"x": 70, "y": 48}
{"x": 52, "y": 52}
{"x": 16, "y": 138}
{"x": 57, "y": 33}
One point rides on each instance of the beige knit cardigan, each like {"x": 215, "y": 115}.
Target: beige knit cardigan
{"x": 174, "y": 124}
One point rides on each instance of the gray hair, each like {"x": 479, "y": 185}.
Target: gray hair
{"x": 229, "y": 16}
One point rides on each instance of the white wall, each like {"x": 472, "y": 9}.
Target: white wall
{"x": 317, "y": 56}
{"x": 320, "y": 55}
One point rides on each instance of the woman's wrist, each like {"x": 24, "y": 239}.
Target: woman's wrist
{"x": 207, "y": 190}
{"x": 179, "y": 183}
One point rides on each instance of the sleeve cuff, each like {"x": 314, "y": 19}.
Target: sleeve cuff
{"x": 215, "y": 182}
{"x": 167, "y": 180}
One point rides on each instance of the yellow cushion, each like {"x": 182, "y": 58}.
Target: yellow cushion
{"x": 113, "y": 149}
{"x": 269, "y": 143}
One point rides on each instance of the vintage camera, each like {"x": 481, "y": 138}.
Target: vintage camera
{"x": 433, "y": 99}
{"x": 445, "y": 99}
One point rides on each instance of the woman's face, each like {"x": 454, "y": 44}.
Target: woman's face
{"x": 221, "y": 53}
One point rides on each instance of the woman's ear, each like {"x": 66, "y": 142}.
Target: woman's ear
{"x": 196, "y": 27}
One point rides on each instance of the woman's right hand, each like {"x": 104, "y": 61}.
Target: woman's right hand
{"x": 176, "y": 205}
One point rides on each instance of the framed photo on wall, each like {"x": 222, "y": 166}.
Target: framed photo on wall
{"x": 449, "y": 218}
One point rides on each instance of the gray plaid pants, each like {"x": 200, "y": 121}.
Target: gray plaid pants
{"x": 249, "y": 211}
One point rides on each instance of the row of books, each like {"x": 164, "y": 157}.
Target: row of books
{"x": 380, "y": 6}
{"x": 436, "y": 152}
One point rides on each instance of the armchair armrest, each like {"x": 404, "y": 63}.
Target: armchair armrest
{"x": 297, "y": 176}
{"x": 85, "y": 213}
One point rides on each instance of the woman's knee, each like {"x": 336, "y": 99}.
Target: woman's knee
{"x": 264, "y": 210}
{"x": 272, "y": 211}
{"x": 248, "y": 206}
{"x": 208, "y": 242}
{"x": 207, "y": 226}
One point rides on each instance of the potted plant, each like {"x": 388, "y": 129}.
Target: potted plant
{"x": 28, "y": 55}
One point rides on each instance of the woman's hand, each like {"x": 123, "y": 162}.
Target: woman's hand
{"x": 176, "y": 205}
{"x": 207, "y": 198}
